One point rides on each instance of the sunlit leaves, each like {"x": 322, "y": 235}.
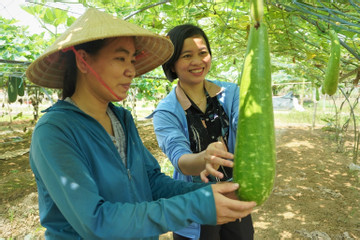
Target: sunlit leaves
{"x": 55, "y": 16}
{"x": 297, "y": 29}
{"x": 16, "y": 43}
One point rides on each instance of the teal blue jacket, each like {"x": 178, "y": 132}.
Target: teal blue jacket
{"x": 87, "y": 192}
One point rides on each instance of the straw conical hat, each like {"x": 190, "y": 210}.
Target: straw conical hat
{"x": 48, "y": 70}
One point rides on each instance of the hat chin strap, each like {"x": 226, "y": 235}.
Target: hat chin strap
{"x": 72, "y": 48}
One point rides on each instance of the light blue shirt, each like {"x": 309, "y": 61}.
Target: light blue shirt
{"x": 171, "y": 129}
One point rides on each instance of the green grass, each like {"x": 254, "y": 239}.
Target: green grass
{"x": 22, "y": 112}
{"x": 304, "y": 117}
{"x": 325, "y": 114}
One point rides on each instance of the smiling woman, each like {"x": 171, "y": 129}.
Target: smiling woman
{"x": 195, "y": 126}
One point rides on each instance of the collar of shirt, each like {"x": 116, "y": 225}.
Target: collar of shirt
{"x": 210, "y": 87}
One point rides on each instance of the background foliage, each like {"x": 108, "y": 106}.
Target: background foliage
{"x": 298, "y": 32}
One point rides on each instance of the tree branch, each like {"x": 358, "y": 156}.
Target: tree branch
{"x": 145, "y": 8}
{"x": 316, "y": 24}
{"x": 14, "y": 62}
{"x": 356, "y": 7}
{"x": 355, "y": 71}
{"x": 350, "y": 49}
{"x": 330, "y": 20}
{"x": 334, "y": 12}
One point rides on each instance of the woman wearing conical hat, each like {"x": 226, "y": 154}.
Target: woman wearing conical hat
{"x": 95, "y": 178}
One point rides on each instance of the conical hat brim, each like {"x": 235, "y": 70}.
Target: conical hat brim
{"x": 48, "y": 70}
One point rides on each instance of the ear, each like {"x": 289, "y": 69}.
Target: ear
{"x": 80, "y": 58}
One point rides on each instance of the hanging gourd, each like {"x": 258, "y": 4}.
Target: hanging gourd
{"x": 12, "y": 89}
{"x": 255, "y": 156}
{"x": 333, "y": 66}
{"x": 20, "y": 82}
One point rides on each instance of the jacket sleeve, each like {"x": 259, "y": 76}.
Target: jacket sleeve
{"x": 164, "y": 186}
{"x": 170, "y": 134}
{"x": 230, "y": 102}
{"x": 65, "y": 178}
{"x": 234, "y": 105}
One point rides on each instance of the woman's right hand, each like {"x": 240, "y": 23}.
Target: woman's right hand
{"x": 216, "y": 155}
{"x": 228, "y": 207}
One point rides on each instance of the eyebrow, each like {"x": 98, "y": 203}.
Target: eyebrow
{"x": 190, "y": 51}
{"x": 120, "y": 49}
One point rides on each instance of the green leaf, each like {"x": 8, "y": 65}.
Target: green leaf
{"x": 70, "y": 20}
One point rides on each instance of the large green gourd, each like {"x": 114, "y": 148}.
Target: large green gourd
{"x": 12, "y": 89}
{"x": 255, "y": 156}
{"x": 333, "y": 66}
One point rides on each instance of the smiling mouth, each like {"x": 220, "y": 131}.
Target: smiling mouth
{"x": 197, "y": 71}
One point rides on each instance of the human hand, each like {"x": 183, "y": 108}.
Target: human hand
{"x": 203, "y": 176}
{"x": 229, "y": 209}
{"x": 216, "y": 155}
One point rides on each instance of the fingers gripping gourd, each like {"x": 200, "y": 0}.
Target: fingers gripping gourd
{"x": 255, "y": 156}
{"x": 333, "y": 66}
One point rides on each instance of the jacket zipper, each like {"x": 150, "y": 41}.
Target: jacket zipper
{"x": 129, "y": 174}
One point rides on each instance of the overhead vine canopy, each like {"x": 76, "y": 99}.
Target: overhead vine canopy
{"x": 307, "y": 25}
{"x": 298, "y": 31}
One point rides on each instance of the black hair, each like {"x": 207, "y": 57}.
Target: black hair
{"x": 69, "y": 81}
{"x": 177, "y": 36}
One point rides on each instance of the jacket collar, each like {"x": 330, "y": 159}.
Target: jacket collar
{"x": 211, "y": 88}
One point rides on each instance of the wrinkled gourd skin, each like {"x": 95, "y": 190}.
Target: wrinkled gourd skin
{"x": 255, "y": 154}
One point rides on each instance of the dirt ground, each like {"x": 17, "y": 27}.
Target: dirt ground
{"x": 315, "y": 195}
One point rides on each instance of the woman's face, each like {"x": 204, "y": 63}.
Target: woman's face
{"x": 114, "y": 63}
{"x": 194, "y": 61}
